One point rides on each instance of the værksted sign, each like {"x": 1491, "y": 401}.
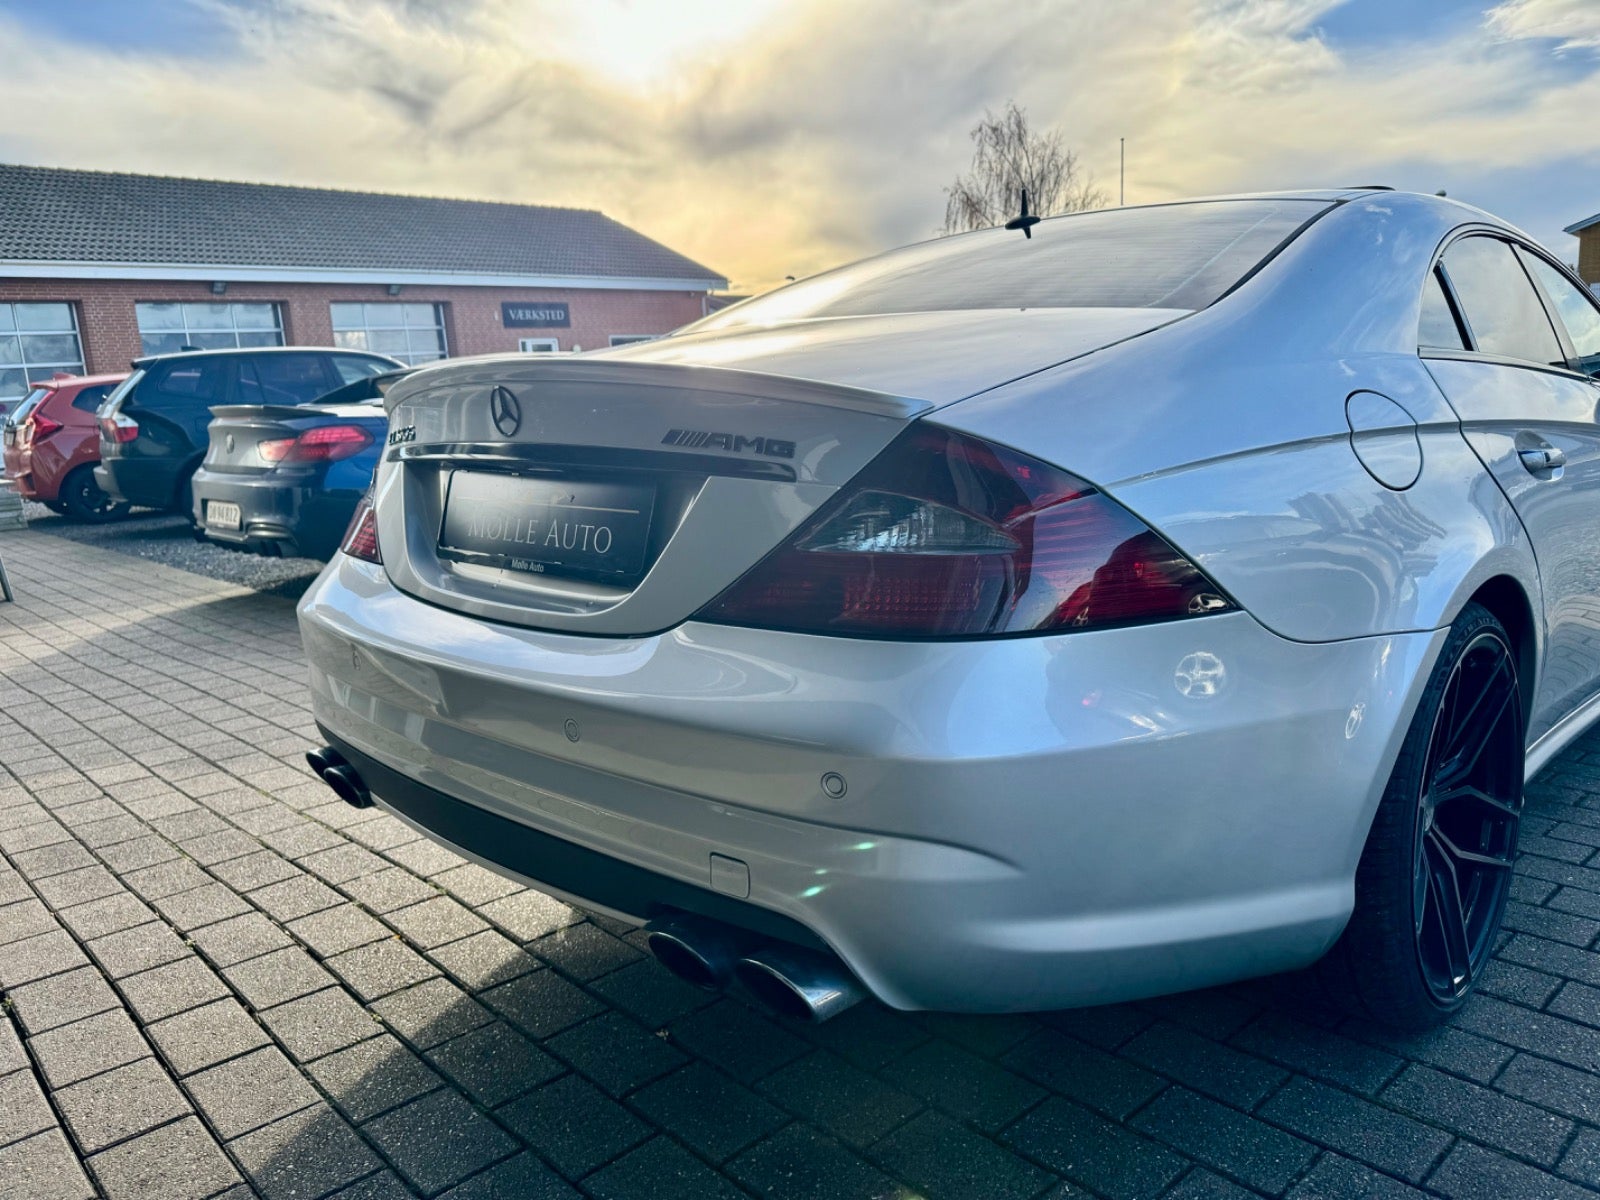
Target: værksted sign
{"x": 545, "y": 315}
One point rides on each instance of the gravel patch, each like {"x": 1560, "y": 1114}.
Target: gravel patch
{"x": 165, "y": 538}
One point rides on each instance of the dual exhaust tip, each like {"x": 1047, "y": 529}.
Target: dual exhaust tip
{"x": 345, "y": 781}
{"x": 792, "y": 981}
{"x": 804, "y": 985}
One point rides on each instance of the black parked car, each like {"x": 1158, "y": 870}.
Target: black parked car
{"x": 153, "y": 427}
{"x": 281, "y": 479}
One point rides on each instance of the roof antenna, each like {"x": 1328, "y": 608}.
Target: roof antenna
{"x": 1023, "y": 221}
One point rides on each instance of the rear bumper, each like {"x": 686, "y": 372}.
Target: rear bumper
{"x": 293, "y": 517}
{"x": 1027, "y": 824}
{"x": 106, "y": 479}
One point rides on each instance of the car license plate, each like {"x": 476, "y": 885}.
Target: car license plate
{"x": 567, "y": 527}
{"x": 222, "y": 515}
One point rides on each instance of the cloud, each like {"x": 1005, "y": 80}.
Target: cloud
{"x": 1576, "y": 23}
{"x": 769, "y": 139}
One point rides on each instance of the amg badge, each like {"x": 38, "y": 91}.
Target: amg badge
{"x": 699, "y": 439}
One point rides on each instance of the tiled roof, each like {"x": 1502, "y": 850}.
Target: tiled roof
{"x": 54, "y": 215}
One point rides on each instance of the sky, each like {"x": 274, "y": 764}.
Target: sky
{"x": 768, "y": 138}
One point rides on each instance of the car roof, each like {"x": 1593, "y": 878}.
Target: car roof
{"x": 81, "y": 381}
{"x": 151, "y": 359}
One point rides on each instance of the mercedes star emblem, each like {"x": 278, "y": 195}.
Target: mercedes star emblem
{"x": 506, "y": 410}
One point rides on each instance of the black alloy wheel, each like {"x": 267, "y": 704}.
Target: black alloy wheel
{"x": 1436, "y": 870}
{"x": 83, "y": 498}
{"x": 1467, "y": 817}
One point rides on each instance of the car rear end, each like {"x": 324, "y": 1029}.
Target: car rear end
{"x": 55, "y": 434}
{"x": 794, "y": 658}
{"x": 16, "y": 442}
{"x": 285, "y": 480}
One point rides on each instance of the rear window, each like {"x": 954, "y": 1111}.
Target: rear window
{"x": 1181, "y": 256}
{"x": 119, "y": 393}
{"x": 26, "y": 405}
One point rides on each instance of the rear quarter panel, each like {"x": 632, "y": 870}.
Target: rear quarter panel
{"x": 1226, "y": 432}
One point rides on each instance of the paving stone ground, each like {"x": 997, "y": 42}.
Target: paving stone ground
{"x": 218, "y": 981}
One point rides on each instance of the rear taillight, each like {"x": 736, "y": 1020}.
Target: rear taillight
{"x": 119, "y": 428}
{"x": 327, "y": 443}
{"x": 946, "y": 536}
{"x": 361, "y": 539}
{"x": 42, "y": 427}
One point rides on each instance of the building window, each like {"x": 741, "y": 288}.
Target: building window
{"x": 539, "y": 345}
{"x": 36, "y": 341}
{"x": 168, "y": 327}
{"x": 628, "y": 339}
{"x": 413, "y": 333}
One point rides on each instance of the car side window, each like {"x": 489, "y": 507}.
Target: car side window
{"x": 88, "y": 399}
{"x": 1577, "y": 309}
{"x": 351, "y": 368}
{"x": 184, "y": 383}
{"x": 290, "y": 378}
{"x": 1438, "y": 330}
{"x": 1504, "y": 314}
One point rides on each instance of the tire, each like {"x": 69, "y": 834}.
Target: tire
{"x": 82, "y": 499}
{"x": 55, "y": 506}
{"x": 1432, "y": 884}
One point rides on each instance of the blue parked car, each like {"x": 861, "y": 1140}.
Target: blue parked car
{"x": 285, "y": 479}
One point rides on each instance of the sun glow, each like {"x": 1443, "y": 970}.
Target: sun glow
{"x": 641, "y": 43}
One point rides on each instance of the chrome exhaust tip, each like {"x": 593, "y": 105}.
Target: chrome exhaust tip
{"x": 697, "y": 951}
{"x": 798, "y": 983}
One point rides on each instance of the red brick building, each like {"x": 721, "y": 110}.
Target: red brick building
{"x": 99, "y": 268}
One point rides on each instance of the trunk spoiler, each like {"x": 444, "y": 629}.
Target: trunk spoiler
{"x": 531, "y": 371}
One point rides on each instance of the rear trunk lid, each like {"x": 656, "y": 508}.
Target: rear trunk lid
{"x": 620, "y": 493}
{"x": 607, "y": 497}
{"x": 239, "y": 431}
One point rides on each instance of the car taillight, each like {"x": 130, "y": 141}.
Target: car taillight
{"x": 327, "y": 443}
{"x": 42, "y": 427}
{"x": 947, "y": 536}
{"x": 361, "y": 539}
{"x": 119, "y": 428}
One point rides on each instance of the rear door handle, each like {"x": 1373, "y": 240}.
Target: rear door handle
{"x": 1542, "y": 458}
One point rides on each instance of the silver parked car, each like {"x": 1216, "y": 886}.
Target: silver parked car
{"x": 1179, "y": 594}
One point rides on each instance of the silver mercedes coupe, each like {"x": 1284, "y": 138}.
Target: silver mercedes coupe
{"x": 1178, "y": 594}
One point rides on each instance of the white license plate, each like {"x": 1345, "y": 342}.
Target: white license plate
{"x": 221, "y": 515}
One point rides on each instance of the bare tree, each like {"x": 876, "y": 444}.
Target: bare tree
{"x": 1007, "y": 156}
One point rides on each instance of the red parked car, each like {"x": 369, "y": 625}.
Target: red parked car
{"x": 52, "y": 445}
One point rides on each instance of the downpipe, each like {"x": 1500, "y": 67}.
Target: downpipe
{"x": 333, "y": 770}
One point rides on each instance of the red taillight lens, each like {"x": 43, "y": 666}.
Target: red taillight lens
{"x": 119, "y": 428}
{"x": 327, "y": 443}
{"x": 946, "y": 536}
{"x": 361, "y": 539}
{"x": 43, "y": 426}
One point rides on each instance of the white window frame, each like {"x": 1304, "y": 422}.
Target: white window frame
{"x": 539, "y": 345}
{"x": 413, "y": 354}
{"x": 628, "y": 339}
{"x": 234, "y": 328}
{"x": 37, "y": 372}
